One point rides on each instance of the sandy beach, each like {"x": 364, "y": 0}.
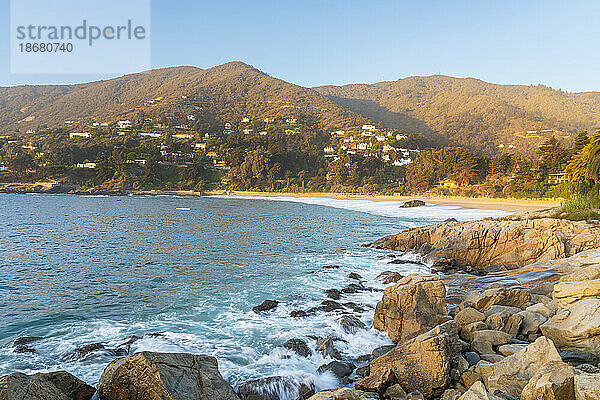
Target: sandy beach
{"x": 511, "y": 205}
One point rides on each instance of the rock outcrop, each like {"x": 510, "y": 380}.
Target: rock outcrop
{"x": 577, "y": 327}
{"x": 411, "y": 306}
{"x": 276, "y": 388}
{"x": 51, "y": 386}
{"x": 422, "y": 364}
{"x": 494, "y": 244}
{"x": 513, "y": 373}
{"x": 344, "y": 394}
{"x": 168, "y": 376}
{"x": 553, "y": 380}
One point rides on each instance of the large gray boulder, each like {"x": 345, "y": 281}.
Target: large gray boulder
{"x": 164, "y": 376}
{"x": 51, "y": 386}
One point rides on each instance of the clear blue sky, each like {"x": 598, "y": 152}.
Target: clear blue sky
{"x": 556, "y": 43}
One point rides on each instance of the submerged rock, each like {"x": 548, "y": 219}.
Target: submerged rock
{"x": 168, "y": 376}
{"x": 276, "y": 388}
{"x": 333, "y": 294}
{"x": 339, "y": 369}
{"x": 51, "y": 386}
{"x": 413, "y": 304}
{"x": 350, "y": 323}
{"x": 413, "y": 203}
{"x": 266, "y": 305}
{"x": 387, "y": 277}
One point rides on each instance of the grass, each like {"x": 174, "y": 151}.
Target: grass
{"x": 585, "y": 207}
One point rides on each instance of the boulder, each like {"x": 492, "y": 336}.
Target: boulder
{"x": 583, "y": 283}
{"x": 395, "y": 392}
{"x": 168, "y": 376}
{"x": 576, "y": 328}
{"x": 276, "y": 388}
{"x": 422, "y": 363}
{"x": 512, "y": 373}
{"x": 587, "y": 386}
{"x": 51, "y": 386}
{"x": 554, "y": 380}
{"x": 511, "y": 297}
{"x": 477, "y": 392}
{"x": 510, "y": 349}
{"x": 451, "y": 394}
{"x": 333, "y": 294}
{"x": 467, "y": 316}
{"x": 505, "y": 322}
{"x": 413, "y": 304}
{"x": 326, "y": 347}
{"x": 298, "y": 346}
{"x": 468, "y": 331}
{"x": 531, "y": 322}
{"x": 344, "y": 394}
{"x": 494, "y": 244}
{"x": 484, "y": 341}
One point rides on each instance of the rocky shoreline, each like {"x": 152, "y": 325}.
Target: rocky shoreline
{"x": 524, "y": 323}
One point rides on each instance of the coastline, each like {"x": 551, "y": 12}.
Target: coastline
{"x": 510, "y": 204}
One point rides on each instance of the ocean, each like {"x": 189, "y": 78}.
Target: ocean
{"x": 183, "y": 273}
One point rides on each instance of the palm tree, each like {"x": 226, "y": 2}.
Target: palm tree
{"x": 585, "y": 165}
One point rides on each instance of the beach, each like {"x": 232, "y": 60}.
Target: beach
{"x": 510, "y": 205}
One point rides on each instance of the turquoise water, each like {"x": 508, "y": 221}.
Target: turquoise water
{"x": 78, "y": 270}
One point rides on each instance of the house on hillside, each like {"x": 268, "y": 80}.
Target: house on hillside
{"x": 448, "y": 183}
{"x": 88, "y": 165}
{"x": 368, "y": 127}
{"x": 73, "y": 135}
{"x": 558, "y": 178}
{"x": 124, "y": 124}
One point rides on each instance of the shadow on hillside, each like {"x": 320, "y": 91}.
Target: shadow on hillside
{"x": 390, "y": 119}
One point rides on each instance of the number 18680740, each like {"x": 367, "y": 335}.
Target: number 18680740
{"x": 46, "y": 47}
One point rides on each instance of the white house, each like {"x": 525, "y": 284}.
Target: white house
{"x": 247, "y": 131}
{"x": 191, "y": 117}
{"x": 245, "y": 120}
{"x": 183, "y": 136}
{"x": 380, "y": 138}
{"x": 3, "y": 168}
{"x": 89, "y": 165}
{"x": 200, "y": 146}
{"x": 368, "y": 127}
{"x": 79, "y": 134}
{"x": 124, "y": 124}
{"x": 291, "y": 120}
{"x": 268, "y": 120}
{"x": 400, "y": 137}
{"x": 149, "y": 134}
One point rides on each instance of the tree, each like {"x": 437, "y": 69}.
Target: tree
{"x": 585, "y": 164}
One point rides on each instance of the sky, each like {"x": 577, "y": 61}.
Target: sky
{"x": 311, "y": 43}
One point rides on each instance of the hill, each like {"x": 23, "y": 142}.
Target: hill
{"x": 226, "y": 92}
{"x": 471, "y": 112}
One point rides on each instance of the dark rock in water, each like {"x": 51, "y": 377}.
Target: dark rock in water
{"x": 387, "y": 277}
{"x": 299, "y": 346}
{"x": 472, "y": 358}
{"x": 176, "y": 376}
{"x": 413, "y": 203}
{"x": 588, "y": 368}
{"x": 350, "y": 323}
{"x": 338, "y": 368}
{"x": 97, "y": 349}
{"x": 24, "y": 340}
{"x": 355, "y": 288}
{"x": 363, "y": 370}
{"x": 156, "y": 334}
{"x": 326, "y": 348}
{"x": 354, "y": 275}
{"x": 330, "y": 267}
{"x": 445, "y": 265}
{"x": 333, "y": 294}
{"x": 276, "y": 388}
{"x": 379, "y": 351}
{"x": 401, "y": 261}
{"x": 125, "y": 347}
{"x": 52, "y": 386}
{"x": 23, "y": 349}
{"x": 266, "y": 305}
{"x": 330, "y": 305}
{"x": 354, "y": 307}
{"x": 298, "y": 314}
{"x": 365, "y": 358}
{"x": 575, "y": 357}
